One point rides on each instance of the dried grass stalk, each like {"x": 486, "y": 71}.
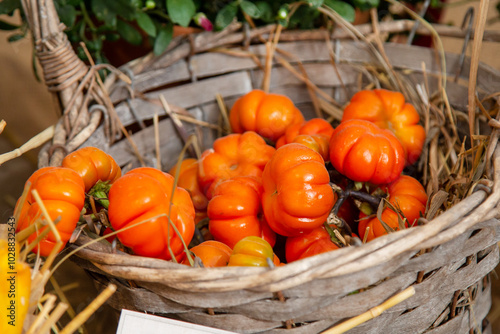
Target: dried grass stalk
{"x": 89, "y": 310}
{"x": 372, "y": 313}
{"x": 31, "y": 144}
{"x": 476, "y": 48}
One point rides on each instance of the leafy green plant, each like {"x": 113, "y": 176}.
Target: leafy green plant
{"x": 150, "y": 23}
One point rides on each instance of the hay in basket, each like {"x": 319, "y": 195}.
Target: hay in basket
{"x": 446, "y": 259}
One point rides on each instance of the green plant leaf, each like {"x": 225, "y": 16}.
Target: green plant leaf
{"x": 163, "y": 38}
{"x": 67, "y": 15}
{"x": 226, "y": 15}
{"x": 15, "y": 37}
{"x": 138, "y": 4}
{"x": 7, "y": 26}
{"x": 9, "y": 6}
{"x": 94, "y": 45}
{"x": 250, "y": 8}
{"x": 315, "y": 3}
{"x": 304, "y": 18}
{"x": 181, "y": 11}
{"x": 73, "y": 3}
{"x": 266, "y": 12}
{"x": 342, "y": 8}
{"x": 365, "y": 4}
{"x": 112, "y": 37}
{"x": 283, "y": 22}
{"x": 146, "y": 23}
{"x": 104, "y": 10}
{"x": 128, "y": 33}
{"x": 108, "y": 26}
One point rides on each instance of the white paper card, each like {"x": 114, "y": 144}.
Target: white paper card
{"x": 132, "y": 322}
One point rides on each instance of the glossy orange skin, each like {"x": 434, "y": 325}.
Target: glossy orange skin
{"x": 319, "y": 143}
{"x": 251, "y": 251}
{"x": 233, "y": 155}
{"x": 389, "y": 110}
{"x": 297, "y": 196}
{"x": 188, "y": 179}
{"x": 269, "y": 115}
{"x": 141, "y": 194}
{"x": 405, "y": 193}
{"x": 211, "y": 253}
{"x": 363, "y": 152}
{"x": 92, "y": 164}
{"x": 315, "y": 242}
{"x": 314, "y": 126}
{"x": 62, "y": 191}
{"x": 235, "y": 212}
{"x": 277, "y": 262}
{"x": 29, "y": 198}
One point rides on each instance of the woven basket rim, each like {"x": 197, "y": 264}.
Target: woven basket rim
{"x": 371, "y": 254}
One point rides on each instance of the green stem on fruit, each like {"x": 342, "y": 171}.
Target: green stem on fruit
{"x": 101, "y": 198}
{"x": 332, "y": 235}
{"x": 99, "y": 193}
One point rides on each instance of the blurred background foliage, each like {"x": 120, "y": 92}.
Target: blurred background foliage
{"x": 149, "y": 25}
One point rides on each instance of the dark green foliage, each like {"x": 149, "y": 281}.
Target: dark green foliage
{"x": 149, "y": 23}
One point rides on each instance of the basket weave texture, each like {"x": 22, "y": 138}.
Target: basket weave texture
{"x": 447, "y": 260}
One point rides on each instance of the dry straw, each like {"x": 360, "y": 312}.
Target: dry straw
{"x": 372, "y": 313}
{"x": 42, "y": 316}
{"x": 31, "y": 144}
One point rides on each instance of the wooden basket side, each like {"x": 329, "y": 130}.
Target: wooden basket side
{"x": 458, "y": 284}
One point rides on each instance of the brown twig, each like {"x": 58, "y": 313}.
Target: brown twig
{"x": 31, "y": 144}
{"x": 179, "y": 127}
{"x": 223, "y": 111}
{"x": 157, "y": 140}
{"x": 89, "y": 310}
{"x": 476, "y": 49}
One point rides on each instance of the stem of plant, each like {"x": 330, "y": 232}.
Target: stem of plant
{"x": 99, "y": 193}
{"x": 160, "y": 14}
{"x": 86, "y": 17}
{"x": 374, "y": 201}
{"x": 101, "y": 198}
{"x": 333, "y": 237}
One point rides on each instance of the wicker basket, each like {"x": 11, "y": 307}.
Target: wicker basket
{"x": 447, "y": 260}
